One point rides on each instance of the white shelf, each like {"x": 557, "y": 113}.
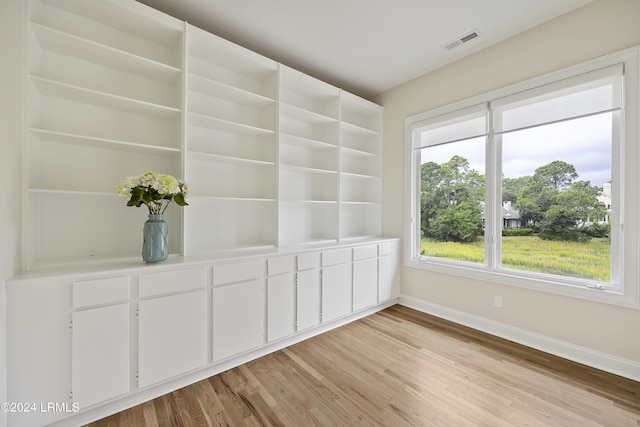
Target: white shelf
{"x": 214, "y": 224}
{"x": 309, "y": 94}
{"x": 300, "y": 141}
{"x": 80, "y": 226}
{"x": 358, "y": 130}
{"x": 225, "y": 91}
{"x": 34, "y": 190}
{"x": 219, "y": 60}
{"x": 302, "y": 114}
{"x": 236, "y": 199}
{"x": 126, "y": 26}
{"x": 231, "y": 180}
{"x": 326, "y": 132}
{"x": 284, "y": 167}
{"x": 359, "y": 115}
{"x": 83, "y": 140}
{"x": 306, "y": 222}
{"x": 358, "y": 153}
{"x": 253, "y": 115}
{"x": 207, "y": 157}
{"x": 55, "y": 89}
{"x": 227, "y": 126}
{"x": 359, "y": 220}
{"x": 359, "y": 175}
{"x": 77, "y": 47}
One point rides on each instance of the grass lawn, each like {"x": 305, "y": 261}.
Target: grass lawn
{"x": 584, "y": 260}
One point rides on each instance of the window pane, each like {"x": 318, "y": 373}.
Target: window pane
{"x": 452, "y": 200}
{"x": 556, "y": 196}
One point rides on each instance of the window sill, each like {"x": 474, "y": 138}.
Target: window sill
{"x": 627, "y": 298}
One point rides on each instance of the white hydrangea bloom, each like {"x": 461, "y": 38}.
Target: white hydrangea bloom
{"x": 185, "y": 188}
{"x": 166, "y": 184}
{"x": 152, "y": 189}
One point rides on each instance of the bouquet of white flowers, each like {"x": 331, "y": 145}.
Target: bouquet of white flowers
{"x": 154, "y": 190}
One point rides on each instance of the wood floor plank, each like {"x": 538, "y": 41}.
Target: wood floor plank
{"x": 398, "y": 367}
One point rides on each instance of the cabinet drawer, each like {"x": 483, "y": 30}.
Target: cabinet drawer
{"x": 237, "y": 272}
{"x": 279, "y": 265}
{"x": 100, "y": 291}
{"x": 167, "y": 282}
{"x": 336, "y": 256}
{"x": 384, "y": 249}
{"x": 365, "y": 252}
{"x": 309, "y": 260}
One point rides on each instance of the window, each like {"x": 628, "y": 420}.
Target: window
{"x": 524, "y": 185}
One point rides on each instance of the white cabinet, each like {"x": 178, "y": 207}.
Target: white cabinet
{"x": 281, "y": 297}
{"x": 308, "y": 291}
{"x": 172, "y": 322}
{"x": 171, "y": 327}
{"x": 100, "y": 340}
{"x": 336, "y": 284}
{"x": 388, "y": 271}
{"x": 365, "y": 276}
{"x": 238, "y": 308}
{"x": 280, "y": 306}
{"x": 100, "y": 354}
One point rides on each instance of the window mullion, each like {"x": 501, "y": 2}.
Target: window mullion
{"x": 492, "y": 197}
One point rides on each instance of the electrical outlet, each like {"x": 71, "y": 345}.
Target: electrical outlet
{"x": 497, "y": 301}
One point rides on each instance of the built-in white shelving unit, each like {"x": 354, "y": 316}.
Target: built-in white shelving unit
{"x": 360, "y": 167}
{"x": 309, "y": 158}
{"x": 104, "y": 102}
{"x": 276, "y": 160}
{"x": 230, "y": 145}
{"x": 273, "y": 157}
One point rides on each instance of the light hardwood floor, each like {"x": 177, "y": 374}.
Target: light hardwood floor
{"x": 398, "y": 367}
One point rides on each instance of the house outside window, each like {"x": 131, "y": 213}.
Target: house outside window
{"x": 525, "y": 185}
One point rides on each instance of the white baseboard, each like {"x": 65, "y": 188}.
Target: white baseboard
{"x": 585, "y": 356}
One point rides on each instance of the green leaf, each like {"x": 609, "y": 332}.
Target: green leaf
{"x": 179, "y": 198}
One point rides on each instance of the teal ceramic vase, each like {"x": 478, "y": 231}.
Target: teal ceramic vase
{"x": 155, "y": 246}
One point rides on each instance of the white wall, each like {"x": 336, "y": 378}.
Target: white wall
{"x": 599, "y": 28}
{"x": 11, "y": 95}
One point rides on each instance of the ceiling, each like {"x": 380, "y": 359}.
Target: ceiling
{"x": 364, "y": 46}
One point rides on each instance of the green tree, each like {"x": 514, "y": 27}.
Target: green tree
{"x": 537, "y": 197}
{"x": 560, "y": 224}
{"x": 557, "y": 174}
{"x": 451, "y": 194}
{"x": 457, "y": 223}
{"x": 511, "y": 188}
{"x": 582, "y": 198}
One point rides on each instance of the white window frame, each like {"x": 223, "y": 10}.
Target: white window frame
{"x": 625, "y": 252}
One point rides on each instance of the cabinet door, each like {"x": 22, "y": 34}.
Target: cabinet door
{"x": 171, "y": 336}
{"x": 388, "y": 282}
{"x": 365, "y": 283}
{"x": 100, "y": 354}
{"x": 336, "y": 291}
{"x": 238, "y": 318}
{"x": 308, "y": 298}
{"x": 280, "y": 306}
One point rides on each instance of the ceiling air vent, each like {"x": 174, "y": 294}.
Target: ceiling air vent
{"x": 461, "y": 40}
